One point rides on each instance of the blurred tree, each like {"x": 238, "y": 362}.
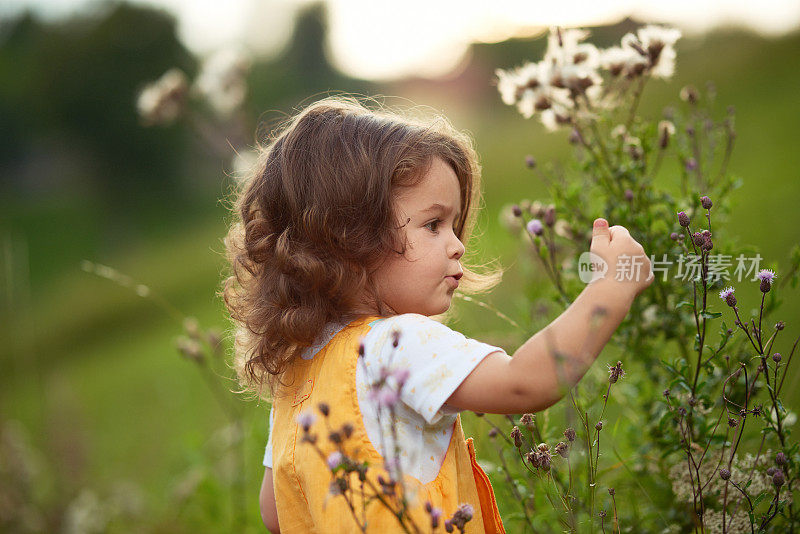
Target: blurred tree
{"x": 67, "y": 93}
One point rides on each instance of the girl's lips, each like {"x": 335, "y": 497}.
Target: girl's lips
{"x": 452, "y": 280}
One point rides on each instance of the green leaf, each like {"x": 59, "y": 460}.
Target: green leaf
{"x": 683, "y": 303}
{"x": 710, "y": 315}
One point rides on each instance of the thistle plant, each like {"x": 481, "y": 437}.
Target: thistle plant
{"x": 358, "y": 482}
{"x": 689, "y": 399}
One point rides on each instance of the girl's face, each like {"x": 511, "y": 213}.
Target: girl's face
{"x": 424, "y": 279}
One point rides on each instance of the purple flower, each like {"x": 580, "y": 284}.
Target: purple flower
{"x": 615, "y": 372}
{"x": 387, "y": 397}
{"x": 306, "y": 419}
{"x": 781, "y": 459}
{"x": 401, "y": 375}
{"x": 766, "y": 276}
{"x": 778, "y": 478}
{"x": 728, "y": 296}
{"x": 706, "y": 202}
{"x": 466, "y": 511}
{"x": 436, "y": 515}
{"x": 334, "y": 459}
{"x": 724, "y": 474}
{"x": 570, "y": 434}
{"x": 691, "y": 164}
{"x": 535, "y": 227}
{"x": 683, "y": 219}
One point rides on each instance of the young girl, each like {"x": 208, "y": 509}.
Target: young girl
{"x": 349, "y": 237}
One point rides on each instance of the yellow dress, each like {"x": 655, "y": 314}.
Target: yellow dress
{"x": 302, "y": 479}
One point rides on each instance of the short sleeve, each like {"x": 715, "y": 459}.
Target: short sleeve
{"x": 437, "y": 358}
{"x": 268, "y": 451}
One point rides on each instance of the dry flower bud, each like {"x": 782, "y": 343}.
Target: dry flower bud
{"x": 570, "y": 434}
{"x": 516, "y": 435}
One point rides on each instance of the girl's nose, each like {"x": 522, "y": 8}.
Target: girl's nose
{"x": 457, "y": 248}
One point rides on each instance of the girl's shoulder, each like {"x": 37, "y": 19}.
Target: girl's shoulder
{"x": 412, "y": 330}
{"x": 410, "y": 323}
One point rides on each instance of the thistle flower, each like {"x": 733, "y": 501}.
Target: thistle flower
{"x": 655, "y": 43}
{"x": 526, "y": 419}
{"x": 766, "y": 276}
{"x": 691, "y": 164}
{"x": 683, "y": 219}
{"x": 535, "y": 227}
{"x": 516, "y": 210}
{"x": 599, "y": 426}
{"x": 334, "y": 460}
{"x": 615, "y": 372}
{"x": 162, "y": 101}
{"x": 780, "y": 325}
{"x": 724, "y": 474}
{"x": 305, "y": 419}
{"x": 570, "y": 434}
{"x": 516, "y": 435}
{"x": 674, "y": 236}
{"x": 190, "y": 349}
{"x": 387, "y": 397}
{"x": 611, "y": 491}
{"x": 562, "y": 449}
{"x": 706, "y": 202}
{"x": 776, "y": 357}
{"x": 628, "y": 195}
{"x": 689, "y": 94}
{"x": 222, "y": 80}
{"x": 781, "y": 459}
{"x": 728, "y": 296}
{"x": 622, "y": 61}
{"x": 436, "y": 516}
{"x": 778, "y": 478}
{"x": 401, "y": 375}
{"x": 665, "y": 130}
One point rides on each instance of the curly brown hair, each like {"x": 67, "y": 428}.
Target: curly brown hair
{"x": 316, "y": 218}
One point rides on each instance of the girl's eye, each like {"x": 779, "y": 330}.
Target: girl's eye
{"x": 433, "y": 225}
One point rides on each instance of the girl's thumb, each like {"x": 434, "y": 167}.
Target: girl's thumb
{"x": 600, "y": 229}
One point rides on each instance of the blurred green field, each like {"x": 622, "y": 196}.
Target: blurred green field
{"x": 90, "y": 369}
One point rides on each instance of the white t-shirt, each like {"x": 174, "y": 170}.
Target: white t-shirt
{"x": 438, "y": 360}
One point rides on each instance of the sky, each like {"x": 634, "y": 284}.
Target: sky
{"x": 388, "y": 40}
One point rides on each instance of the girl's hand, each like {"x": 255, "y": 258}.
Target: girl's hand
{"x": 626, "y": 261}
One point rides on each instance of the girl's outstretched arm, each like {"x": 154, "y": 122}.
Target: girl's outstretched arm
{"x": 269, "y": 511}
{"x": 551, "y": 362}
